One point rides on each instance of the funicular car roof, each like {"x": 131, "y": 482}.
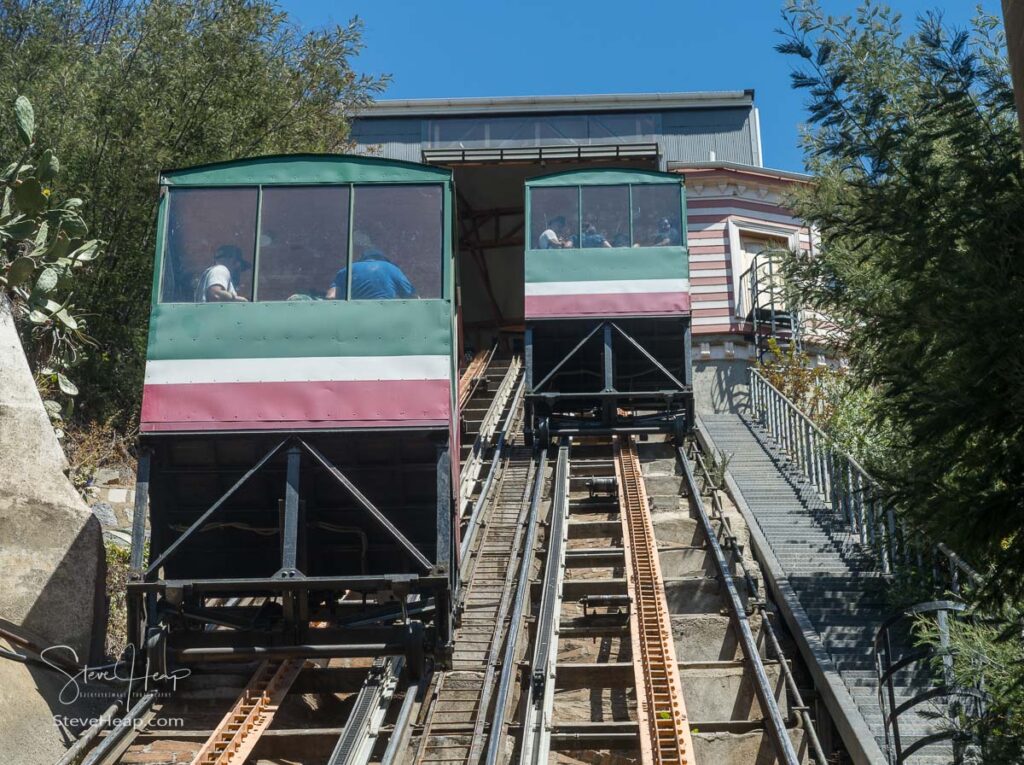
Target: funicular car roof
{"x": 604, "y": 177}
{"x": 304, "y": 169}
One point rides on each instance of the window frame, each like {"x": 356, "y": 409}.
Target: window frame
{"x": 736, "y": 231}
{"x": 164, "y": 224}
{"x": 164, "y": 233}
{"x": 680, "y": 189}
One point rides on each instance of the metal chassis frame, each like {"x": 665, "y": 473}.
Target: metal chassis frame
{"x": 678, "y": 398}
{"x": 435, "y": 580}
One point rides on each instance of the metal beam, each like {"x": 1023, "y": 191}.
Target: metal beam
{"x": 367, "y": 505}
{"x": 443, "y": 547}
{"x": 619, "y": 735}
{"x": 141, "y": 511}
{"x": 408, "y": 582}
{"x": 290, "y": 522}
{"x": 173, "y": 547}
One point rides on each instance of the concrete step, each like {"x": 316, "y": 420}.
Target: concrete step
{"x": 724, "y": 690}
{"x": 750, "y": 748}
{"x": 836, "y": 580}
{"x": 710, "y": 637}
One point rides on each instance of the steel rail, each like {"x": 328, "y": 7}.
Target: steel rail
{"x": 489, "y": 425}
{"x": 769, "y": 706}
{"x": 536, "y": 741}
{"x": 499, "y": 635}
{"x": 357, "y": 739}
{"x": 399, "y": 732}
{"x": 508, "y": 664}
{"x": 73, "y": 755}
{"x": 109, "y": 750}
{"x": 733, "y": 543}
{"x": 661, "y": 710}
{"x": 499, "y": 449}
{"x": 471, "y": 375}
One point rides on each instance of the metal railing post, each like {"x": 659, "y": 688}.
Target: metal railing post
{"x": 838, "y": 478}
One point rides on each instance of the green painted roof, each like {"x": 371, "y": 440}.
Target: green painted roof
{"x": 299, "y": 169}
{"x": 607, "y": 177}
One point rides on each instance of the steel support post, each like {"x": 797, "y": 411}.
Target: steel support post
{"x": 688, "y": 372}
{"x": 140, "y": 513}
{"x": 608, "y": 408}
{"x": 528, "y": 356}
{"x": 443, "y": 552}
{"x": 290, "y": 520}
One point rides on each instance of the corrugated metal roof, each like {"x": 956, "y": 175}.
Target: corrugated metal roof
{"x": 521, "y": 104}
{"x": 687, "y": 127}
{"x": 742, "y": 167}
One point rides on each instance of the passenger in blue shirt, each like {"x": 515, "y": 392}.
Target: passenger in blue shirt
{"x": 374, "y": 277}
{"x": 592, "y": 237}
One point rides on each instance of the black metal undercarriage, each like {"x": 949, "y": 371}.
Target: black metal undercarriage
{"x": 263, "y": 547}
{"x": 600, "y": 376}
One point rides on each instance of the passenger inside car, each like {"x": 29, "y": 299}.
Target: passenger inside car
{"x": 374, "y": 277}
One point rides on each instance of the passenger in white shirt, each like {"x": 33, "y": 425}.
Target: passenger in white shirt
{"x": 549, "y": 237}
{"x": 217, "y": 285}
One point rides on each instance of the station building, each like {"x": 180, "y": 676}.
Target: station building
{"x": 736, "y": 207}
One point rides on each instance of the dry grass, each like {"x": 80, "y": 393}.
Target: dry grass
{"x": 89, "y": 447}
{"x": 117, "y": 615}
{"x": 94, "y": 445}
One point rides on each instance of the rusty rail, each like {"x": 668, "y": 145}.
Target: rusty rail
{"x": 235, "y": 737}
{"x": 471, "y": 375}
{"x": 661, "y": 711}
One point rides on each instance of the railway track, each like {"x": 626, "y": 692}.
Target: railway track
{"x": 602, "y": 581}
{"x": 596, "y": 674}
{"x": 456, "y": 726}
{"x": 664, "y": 729}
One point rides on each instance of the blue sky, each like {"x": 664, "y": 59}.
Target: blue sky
{"x": 453, "y": 48}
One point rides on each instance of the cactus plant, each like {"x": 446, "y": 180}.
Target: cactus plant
{"x": 43, "y": 244}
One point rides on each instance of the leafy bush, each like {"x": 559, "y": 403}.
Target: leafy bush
{"x": 988, "y": 655}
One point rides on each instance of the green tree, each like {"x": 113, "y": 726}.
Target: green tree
{"x": 137, "y": 87}
{"x": 919, "y": 199}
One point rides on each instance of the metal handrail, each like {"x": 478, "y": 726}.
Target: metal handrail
{"x": 474, "y": 518}
{"x": 837, "y": 477}
{"x": 767, "y": 286}
{"x": 841, "y": 481}
{"x": 735, "y": 548}
{"x": 888, "y": 665}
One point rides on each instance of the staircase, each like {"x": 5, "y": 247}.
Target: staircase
{"x": 838, "y": 584}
